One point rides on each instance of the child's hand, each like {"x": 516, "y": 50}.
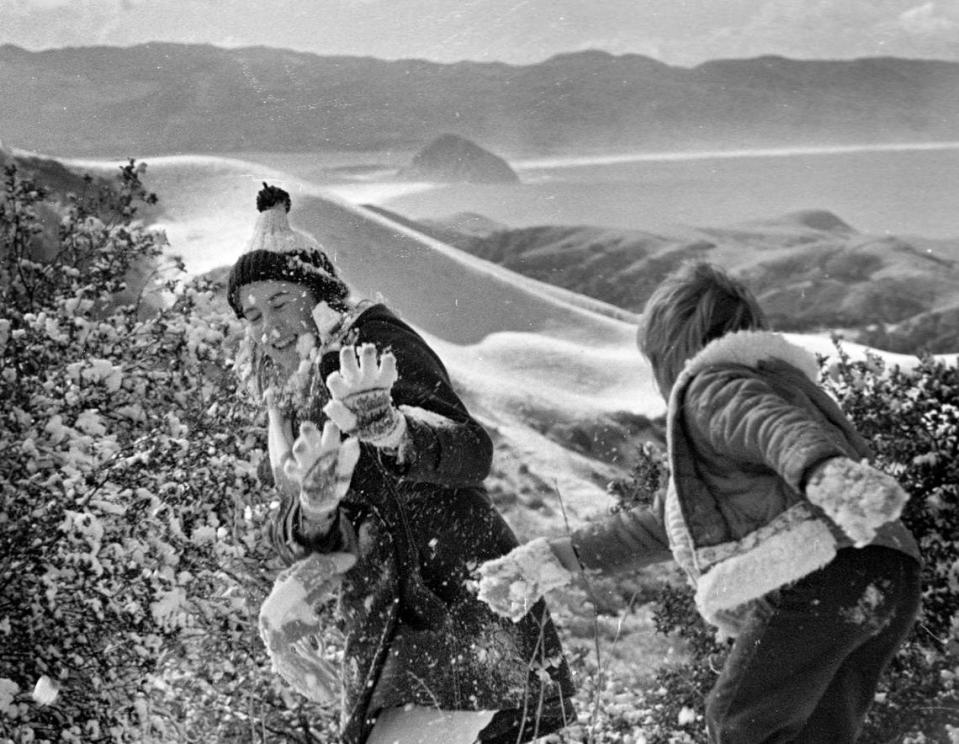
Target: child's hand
{"x": 290, "y": 628}
{"x": 362, "y": 404}
{"x": 322, "y": 465}
{"x": 856, "y": 496}
{"x": 512, "y": 584}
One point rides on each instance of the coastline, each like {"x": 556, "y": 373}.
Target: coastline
{"x": 763, "y": 152}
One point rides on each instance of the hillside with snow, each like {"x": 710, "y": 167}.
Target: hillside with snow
{"x": 147, "y": 462}
{"x": 542, "y": 368}
{"x": 809, "y": 269}
{"x": 554, "y": 375}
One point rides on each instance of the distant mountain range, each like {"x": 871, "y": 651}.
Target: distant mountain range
{"x": 171, "y": 98}
{"x": 810, "y": 270}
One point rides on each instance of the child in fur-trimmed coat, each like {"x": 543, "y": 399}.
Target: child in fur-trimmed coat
{"x": 791, "y": 539}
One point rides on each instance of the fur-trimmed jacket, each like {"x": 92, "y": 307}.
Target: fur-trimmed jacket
{"x": 414, "y": 632}
{"x": 747, "y": 424}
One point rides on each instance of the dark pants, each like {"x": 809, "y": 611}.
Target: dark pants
{"x": 806, "y": 666}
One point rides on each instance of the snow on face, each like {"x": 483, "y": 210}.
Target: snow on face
{"x": 326, "y": 319}
{"x": 278, "y": 315}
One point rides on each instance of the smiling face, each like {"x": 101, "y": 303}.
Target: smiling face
{"x": 276, "y": 314}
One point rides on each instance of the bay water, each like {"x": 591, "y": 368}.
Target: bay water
{"x": 910, "y": 190}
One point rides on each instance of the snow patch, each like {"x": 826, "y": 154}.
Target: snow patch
{"x": 864, "y": 611}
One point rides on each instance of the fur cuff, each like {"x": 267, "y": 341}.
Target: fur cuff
{"x": 511, "y": 584}
{"x": 392, "y": 435}
{"x": 856, "y": 496}
{"x": 779, "y": 560}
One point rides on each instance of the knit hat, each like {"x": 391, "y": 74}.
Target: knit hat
{"x": 277, "y": 252}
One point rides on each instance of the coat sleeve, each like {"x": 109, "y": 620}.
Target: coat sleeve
{"x": 740, "y": 415}
{"x": 447, "y": 445}
{"x": 626, "y": 540}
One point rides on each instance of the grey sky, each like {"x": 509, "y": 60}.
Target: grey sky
{"x": 680, "y": 32}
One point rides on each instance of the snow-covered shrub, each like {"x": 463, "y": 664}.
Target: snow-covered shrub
{"x": 673, "y": 707}
{"x": 132, "y": 550}
{"x": 911, "y": 419}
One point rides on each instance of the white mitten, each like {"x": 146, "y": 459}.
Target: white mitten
{"x": 290, "y": 628}
{"x": 856, "y": 496}
{"x": 361, "y": 402}
{"x": 322, "y": 465}
{"x": 511, "y": 584}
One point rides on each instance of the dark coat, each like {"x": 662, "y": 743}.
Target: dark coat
{"x": 415, "y": 633}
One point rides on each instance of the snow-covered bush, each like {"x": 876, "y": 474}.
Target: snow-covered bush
{"x": 911, "y": 418}
{"x": 132, "y": 550}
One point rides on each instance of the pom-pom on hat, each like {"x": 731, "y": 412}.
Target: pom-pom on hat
{"x": 277, "y": 252}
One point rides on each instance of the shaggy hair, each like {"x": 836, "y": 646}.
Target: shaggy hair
{"x": 696, "y": 304}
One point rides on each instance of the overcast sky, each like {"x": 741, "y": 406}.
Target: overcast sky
{"x": 679, "y": 32}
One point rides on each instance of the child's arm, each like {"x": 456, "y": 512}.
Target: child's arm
{"x": 626, "y": 540}
{"x": 511, "y": 584}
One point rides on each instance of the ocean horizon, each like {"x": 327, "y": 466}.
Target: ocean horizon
{"x": 760, "y": 152}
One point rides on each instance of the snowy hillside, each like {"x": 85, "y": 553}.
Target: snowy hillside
{"x": 554, "y": 376}
{"x": 530, "y": 359}
{"x": 543, "y": 368}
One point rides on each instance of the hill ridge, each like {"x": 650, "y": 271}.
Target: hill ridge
{"x": 166, "y": 98}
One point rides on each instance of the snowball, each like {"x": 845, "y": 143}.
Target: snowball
{"x": 45, "y": 691}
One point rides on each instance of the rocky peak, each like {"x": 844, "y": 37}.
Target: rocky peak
{"x": 451, "y": 158}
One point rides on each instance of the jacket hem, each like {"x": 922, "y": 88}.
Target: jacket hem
{"x": 777, "y": 560}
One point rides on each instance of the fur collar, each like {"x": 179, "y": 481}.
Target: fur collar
{"x": 749, "y": 348}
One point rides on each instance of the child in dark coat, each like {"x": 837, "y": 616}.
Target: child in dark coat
{"x": 391, "y": 517}
{"x": 790, "y": 538}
